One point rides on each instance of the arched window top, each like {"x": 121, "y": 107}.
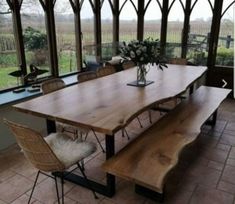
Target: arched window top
{"x": 176, "y": 12}
{"x": 153, "y": 9}
{"x": 31, "y": 8}
{"x": 128, "y": 8}
{"x": 106, "y": 10}
{"x": 4, "y": 7}
{"x": 86, "y": 10}
{"x": 62, "y": 7}
{"x": 204, "y": 8}
{"x": 227, "y": 11}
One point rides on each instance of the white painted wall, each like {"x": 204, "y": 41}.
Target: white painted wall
{"x": 6, "y": 137}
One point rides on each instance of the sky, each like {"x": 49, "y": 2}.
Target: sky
{"x": 202, "y": 10}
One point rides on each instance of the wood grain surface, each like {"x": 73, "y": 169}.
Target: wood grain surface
{"x": 107, "y": 104}
{"x": 148, "y": 159}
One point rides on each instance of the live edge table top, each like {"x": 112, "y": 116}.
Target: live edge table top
{"x": 107, "y": 104}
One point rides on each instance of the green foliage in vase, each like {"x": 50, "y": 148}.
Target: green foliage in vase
{"x": 143, "y": 52}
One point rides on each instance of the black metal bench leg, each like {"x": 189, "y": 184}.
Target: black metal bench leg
{"x": 159, "y": 197}
{"x": 214, "y": 118}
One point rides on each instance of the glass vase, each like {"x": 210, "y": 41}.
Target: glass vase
{"x": 141, "y": 75}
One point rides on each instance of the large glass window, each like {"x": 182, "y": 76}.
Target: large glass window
{"x": 128, "y": 20}
{"x": 152, "y": 19}
{"x": 87, "y": 24}
{"x": 174, "y": 29}
{"x": 225, "y": 51}
{"x": 200, "y": 26}
{"x": 106, "y": 31}
{"x": 8, "y": 56}
{"x": 35, "y": 37}
{"x": 87, "y": 27}
{"x": 106, "y": 22}
{"x": 65, "y": 34}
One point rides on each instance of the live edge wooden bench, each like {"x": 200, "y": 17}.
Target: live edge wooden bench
{"x": 149, "y": 158}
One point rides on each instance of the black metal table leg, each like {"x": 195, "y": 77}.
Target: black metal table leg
{"x": 214, "y": 118}
{"x": 191, "y": 89}
{"x": 212, "y": 121}
{"x": 110, "y": 151}
{"x": 108, "y": 189}
{"x": 51, "y": 126}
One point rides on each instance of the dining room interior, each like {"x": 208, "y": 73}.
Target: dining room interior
{"x": 117, "y": 101}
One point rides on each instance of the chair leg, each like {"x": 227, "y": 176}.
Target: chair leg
{"x": 123, "y": 133}
{"x": 150, "y": 116}
{"x": 57, "y": 191}
{"x": 76, "y": 134}
{"x": 98, "y": 141}
{"x": 85, "y": 136}
{"x": 62, "y": 187}
{"x": 35, "y": 182}
{"x": 127, "y": 135}
{"x": 139, "y": 122}
{"x": 175, "y": 101}
{"x": 88, "y": 183}
{"x": 83, "y": 165}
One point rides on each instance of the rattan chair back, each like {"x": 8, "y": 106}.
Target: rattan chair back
{"x": 35, "y": 148}
{"x": 128, "y": 65}
{"x": 86, "y": 76}
{"x": 178, "y": 61}
{"x": 104, "y": 71}
{"x": 52, "y": 85}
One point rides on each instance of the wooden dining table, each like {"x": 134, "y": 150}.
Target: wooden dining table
{"x": 108, "y": 104}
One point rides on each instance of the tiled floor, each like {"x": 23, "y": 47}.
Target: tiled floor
{"x": 205, "y": 174}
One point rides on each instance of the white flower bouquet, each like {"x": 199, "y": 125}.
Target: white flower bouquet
{"x": 143, "y": 52}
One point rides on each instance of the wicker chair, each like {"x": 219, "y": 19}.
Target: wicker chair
{"x": 52, "y": 85}
{"x": 128, "y": 65}
{"x": 85, "y": 76}
{"x": 104, "y": 71}
{"x": 56, "y": 84}
{"x": 179, "y": 61}
{"x": 55, "y": 154}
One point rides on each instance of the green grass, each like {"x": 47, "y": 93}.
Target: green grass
{"x": 7, "y": 81}
{"x": 67, "y": 62}
{"x": 66, "y": 43}
{"x": 9, "y": 59}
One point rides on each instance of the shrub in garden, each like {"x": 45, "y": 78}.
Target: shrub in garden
{"x": 224, "y": 56}
{"x": 36, "y": 41}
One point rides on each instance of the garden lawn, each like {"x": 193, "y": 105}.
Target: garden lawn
{"x": 7, "y": 81}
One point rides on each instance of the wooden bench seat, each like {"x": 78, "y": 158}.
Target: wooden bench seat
{"x": 149, "y": 158}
